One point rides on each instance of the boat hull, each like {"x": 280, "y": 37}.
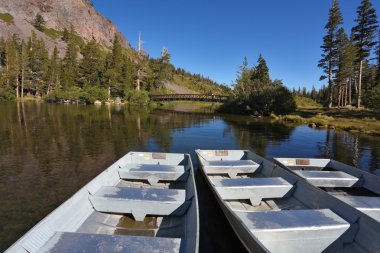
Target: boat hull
{"x": 77, "y": 217}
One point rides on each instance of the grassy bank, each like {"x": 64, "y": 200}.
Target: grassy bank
{"x": 363, "y": 121}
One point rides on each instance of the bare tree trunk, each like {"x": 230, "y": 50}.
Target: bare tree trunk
{"x": 109, "y": 88}
{"x": 7, "y": 70}
{"x": 346, "y": 94}
{"x": 339, "y": 95}
{"x": 350, "y": 92}
{"x": 330, "y": 86}
{"x": 138, "y": 80}
{"x": 17, "y": 87}
{"x": 48, "y": 89}
{"x": 360, "y": 85}
{"x": 22, "y": 82}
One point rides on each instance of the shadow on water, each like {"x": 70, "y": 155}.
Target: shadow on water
{"x": 216, "y": 233}
{"x": 48, "y": 152}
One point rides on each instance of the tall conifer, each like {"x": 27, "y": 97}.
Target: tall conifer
{"x": 364, "y": 36}
{"x": 330, "y": 53}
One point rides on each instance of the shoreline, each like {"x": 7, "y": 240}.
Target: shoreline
{"x": 350, "y": 120}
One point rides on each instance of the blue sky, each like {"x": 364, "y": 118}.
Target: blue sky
{"x": 211, "y": 37}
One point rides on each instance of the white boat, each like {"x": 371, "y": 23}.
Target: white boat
{"x": 145, "y": 202}
{"x": 272, "y": 210}
{"x": 355, "y": 187}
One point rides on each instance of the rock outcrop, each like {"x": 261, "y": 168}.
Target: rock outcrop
{"x": 58, "y": 15}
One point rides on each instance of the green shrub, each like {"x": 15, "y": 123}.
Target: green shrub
{"x": 233, "y": 105}
{"x": 7, "y": 18}
{"x": 72, "y": 93}
{"x": 268, "y": 100}
{"x": 272, "y": 99}
{"x": 284, "y": 102}
{"x": 7, "y": 94}
{"x": 371, "y": 98}
{"x": 92, "y": 93}
{"x": 137, "y": 97}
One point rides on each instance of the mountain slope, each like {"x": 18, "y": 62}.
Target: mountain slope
{"x": 176, "y": 89}
{"x": 58, "y": 14}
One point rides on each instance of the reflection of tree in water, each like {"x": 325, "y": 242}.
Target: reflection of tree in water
{"x": 354, "y": 149}
{"x": 42, "y": 146}
{"x": 258, "y": 135}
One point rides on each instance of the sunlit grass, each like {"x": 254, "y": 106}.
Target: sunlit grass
{"x": 365, "y": 121}
{"x": 7, "y": 18}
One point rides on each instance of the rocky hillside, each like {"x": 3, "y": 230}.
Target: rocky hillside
{"x": 16, "y": 17}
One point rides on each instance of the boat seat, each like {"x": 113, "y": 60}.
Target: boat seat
{"x": 99, "y": 243}
{"x": 140, "y": 201}
{"x": 328, "y": 178}
{"x": 154, "y": 172}
{"x": 295, "y": 230}
{"x": 254, "y": 189}
{"x": 367, "y": 205}
{"x": 232, "y": 168}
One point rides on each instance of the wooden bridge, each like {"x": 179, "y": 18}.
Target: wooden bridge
{"x": 189, "y": 97}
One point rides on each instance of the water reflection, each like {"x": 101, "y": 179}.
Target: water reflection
{"x": 47, "y": 152}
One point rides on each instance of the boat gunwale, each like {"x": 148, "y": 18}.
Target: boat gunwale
{"x": 353, "y": 216}
{"x": 228, "y": 212}
{"x": 50, "y": 217}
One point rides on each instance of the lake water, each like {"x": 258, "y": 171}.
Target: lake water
{"x": 48, "y": 152}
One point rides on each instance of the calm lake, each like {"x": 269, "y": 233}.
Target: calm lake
{"x": 48, "y": 152}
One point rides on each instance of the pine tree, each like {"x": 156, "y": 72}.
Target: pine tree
{"x": 38, "y": 64}
{"x": 261, "y": 72}
{"x": 24, "y": 66}
{"x": 378, "y": 60}
{"x": 314, "y": 93}
{"x": 12, "y": 64}
{"x": 91, "y": 66}
{"x": 39, "y": 22}
{"x": 364, "y": 37}
{"x": 70, "y": 66}
{"x": 114, "y": 64}
{"x": 243, "y": 84}
{"x": 54, "y": 72}
{"x": 129, "y": 75}
{"x": 329, "y": 56}
{"x": 2, "y": 63}
{"x": 66, "y": 35}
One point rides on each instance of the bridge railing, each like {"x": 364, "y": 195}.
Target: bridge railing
{"x": 189, "y": 97}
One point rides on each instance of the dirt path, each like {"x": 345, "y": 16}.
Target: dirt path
{"x": 178, "y": 89}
